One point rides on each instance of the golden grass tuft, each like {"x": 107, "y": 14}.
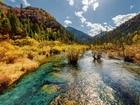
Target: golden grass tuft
{"x": 73, "y": 55}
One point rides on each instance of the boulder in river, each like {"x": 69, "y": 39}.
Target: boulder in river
{"x": 97, "y": 56}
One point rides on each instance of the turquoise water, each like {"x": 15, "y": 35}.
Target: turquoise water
{"x": 88, "y": 83}
{"x": 29, "y": 87}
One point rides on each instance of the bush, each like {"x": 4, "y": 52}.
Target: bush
{"x": 56, "y": 50}
{"x": 73, "y": 55}
{"x": 30, "y": 55}
{"x": 27, "y": 41}
{"x": 111, "y": 55}
{"x": 137, "y": 56}
{"x": 10, "y": 56}
{"x": 8, "y": 52}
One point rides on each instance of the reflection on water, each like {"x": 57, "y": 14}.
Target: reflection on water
{"x": 100, "y": 83}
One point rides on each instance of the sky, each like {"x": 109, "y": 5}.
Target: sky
{"x": 89, "y": 16}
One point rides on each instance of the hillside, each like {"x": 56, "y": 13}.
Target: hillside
{"x": 125, "y": 31}
{"x": 79, "y": 34}
{"x": 32, "y": 22}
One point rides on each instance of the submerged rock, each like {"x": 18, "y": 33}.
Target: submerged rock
{"x": 64, "y": 101}
{"x": 46, "y": 94}
{"x": 56, "y": 69}
{"x": 56, "y": 78}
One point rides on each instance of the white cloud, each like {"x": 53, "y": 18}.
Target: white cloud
{"x": 79, "y": 14}
{"x": 83, "y": 19}
{"x": 119, "y": 19}
{"x": 95, "y": 6}
{"x": 71, "y": 2}
{"x": 67, "y": 22}
{"x": 18, "y": 6}
{"x": 85, "y": 8}
{"x": 105, "y": 23}
{"x": 67, "y": 17}
{"x": 13, "y": 1}
{"x": 91, "y": 2}
{"x": 25, "y": 3}
{"x": 132, "y": 6}
{"x": 85, "y": 2}
{"x": 96, "y": 28}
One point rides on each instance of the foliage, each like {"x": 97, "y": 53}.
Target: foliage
{"x": 56, "y": 50}
{"x": 33, "y": 22}
{"x": 9, "y": 53}
{"x": 26, "y": 41}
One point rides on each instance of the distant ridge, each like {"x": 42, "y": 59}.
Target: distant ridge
{"x": 85, "y": 38}
{"x": 125, "y": 31}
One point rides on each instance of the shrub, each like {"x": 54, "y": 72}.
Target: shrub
{"x": 27, "y": 41}
{"x": 56, "y": 50}
{"x": 137, "y": 56}
{"x": 8, "y": 52}
{"x": 111, "y": 55}
{"x": 10, "y": 56}
{"x": 73, "y": 55}
{"x": 4, "y": 81}
{"x": 30, "y": 55}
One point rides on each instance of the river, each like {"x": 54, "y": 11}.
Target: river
{"x": 89, "y": 83}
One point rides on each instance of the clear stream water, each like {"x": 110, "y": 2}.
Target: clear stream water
{"x": 89, "y": 83}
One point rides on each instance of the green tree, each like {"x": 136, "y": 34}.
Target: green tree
{"x": 6, "y": 26}
{"x": 15, "y": 24}
{"x": 36, "y": 28}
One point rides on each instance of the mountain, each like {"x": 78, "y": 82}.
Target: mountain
{"x": 32, "y": 22}
{"x": 101, "y": 34}
{"x": 125, "y": 32}
{"x": 85, "y": 38}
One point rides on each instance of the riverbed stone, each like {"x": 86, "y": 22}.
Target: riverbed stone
{"x": 63, "y": 101}
{"x": 45, "y": 95}
{"x": 56, "y": 78}
{"x": 56, "y": 69}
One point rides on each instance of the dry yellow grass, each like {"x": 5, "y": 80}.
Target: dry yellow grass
{"x": 13, "y": 72}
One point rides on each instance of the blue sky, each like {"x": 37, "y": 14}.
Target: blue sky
{"x": 89, "y": 16}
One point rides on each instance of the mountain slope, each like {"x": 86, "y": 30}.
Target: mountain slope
{"x": 79, "y": 34}
{"x": 125, "y": 32}
{"x": 33, "y": 22}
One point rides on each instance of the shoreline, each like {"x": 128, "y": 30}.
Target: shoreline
{"x": 11, "y": 73}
